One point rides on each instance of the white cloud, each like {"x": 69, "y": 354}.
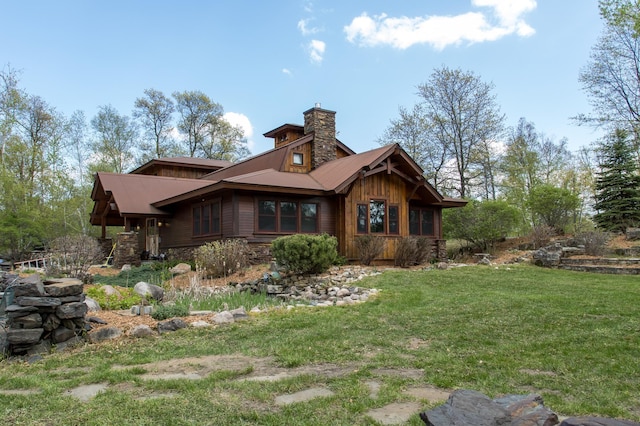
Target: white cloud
{"x": 287, "y": 71}
{"x": 304, "y": 29}
{"x": 242, "y": 121}
{"x": 316, "y": 50}
{"x": 443, "y": 31}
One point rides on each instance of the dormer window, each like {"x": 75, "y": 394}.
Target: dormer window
{"x": 283, "y": 137}
{"x": 298, "y": 159}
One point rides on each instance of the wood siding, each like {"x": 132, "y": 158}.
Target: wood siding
{"x": 391, "y": 189}
{"x": 305, "y": 167}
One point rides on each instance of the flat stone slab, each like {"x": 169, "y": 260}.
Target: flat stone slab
{"x": 394, "y": 414}
{"x": 85, "y": 393}
{"x": 430, "y": 394}
{"x": 303, "y": 396}
{"x": 171, "y": 376}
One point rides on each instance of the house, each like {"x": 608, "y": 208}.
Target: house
{"x": 310, "y": 182}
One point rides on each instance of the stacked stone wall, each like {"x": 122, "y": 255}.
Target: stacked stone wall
{"x": 43, "y": 313}
{"x": 127, "y": 250}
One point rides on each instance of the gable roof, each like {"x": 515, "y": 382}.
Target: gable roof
{"x": 135, "y": 194}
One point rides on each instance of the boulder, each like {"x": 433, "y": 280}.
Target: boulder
{"x": 471, "y": 408}
{"x": 109, "y": 290}
{"x": 149, "y": 290}
{"x": 171, "y": 325}
{"x": 141, "y": 330}
{"x": 92, "y": 304}
{"x": 180, "y": 268}
{"x": 548, "y": 257}
{"x": 224, "y": 317}
{"x": 105, "y": 333}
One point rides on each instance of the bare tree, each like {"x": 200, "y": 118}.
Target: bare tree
{"x": 197, "y": 113}
{"x": 115, "y": 139}
{"x": 464, "y": 116}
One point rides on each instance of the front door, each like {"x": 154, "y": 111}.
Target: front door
{"x": 152, "y": 240}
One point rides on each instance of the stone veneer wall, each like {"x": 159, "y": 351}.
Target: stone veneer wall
{"x": 441, "y": 250}
{"x": 322, "y": 122}
{"x": 127, "y": 250}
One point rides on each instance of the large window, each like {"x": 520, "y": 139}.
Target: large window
{"x": 206, "y": 219}
{"x": 420, "y": 221}
{"x": 288, "y": 217}
{"x": 377, "y": 218}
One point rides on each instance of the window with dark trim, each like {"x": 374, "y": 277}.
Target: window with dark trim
{"x": 420, "y": 221}
{"x": 394, "y": 221}
{"x": 298, "y": 158}
{"x": 287, "y": 216}
{"x": 377, "y": 218}
{"x": 206, "y": 218}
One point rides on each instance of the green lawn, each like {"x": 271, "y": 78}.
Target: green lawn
{"x": 572, "y": 337}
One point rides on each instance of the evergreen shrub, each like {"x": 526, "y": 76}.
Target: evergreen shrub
{"x": 302, "y": 253}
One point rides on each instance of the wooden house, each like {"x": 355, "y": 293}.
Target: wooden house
{"x": 310, "y": 182}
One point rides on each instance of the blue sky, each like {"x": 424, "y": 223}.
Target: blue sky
{"x": 267, "y": 62}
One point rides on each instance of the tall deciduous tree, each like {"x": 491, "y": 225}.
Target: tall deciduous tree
{"x": 206, "y": 132}
{"x": 463, "y": 114}
{"x": 154, "y": 111}
{"x": 412, "y": 131}
{"x": 115, "y": 139}
{"x": 617, "y": 184}
{"x": 611, "y": 78}
{"x": 197, "y": 113}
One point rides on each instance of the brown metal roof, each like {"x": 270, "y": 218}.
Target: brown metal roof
{"x": 190, "y": 162}
{"x": 134, "y": 194}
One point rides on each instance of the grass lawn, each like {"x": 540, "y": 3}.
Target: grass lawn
{"x": 572, "y": 337}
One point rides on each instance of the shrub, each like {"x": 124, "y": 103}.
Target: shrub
{"x": 73, "y": 255}
{"x": 595, "y": 242}
{"x": 303, "y": 253}
{"x": 541, "y": 235}
{"x": 125, "y": 298}
{"x": 369, "y": 247}
{"x": 163, "y": 312}
{"x": 220, "y": 258}
{"x": 412, "y": 251}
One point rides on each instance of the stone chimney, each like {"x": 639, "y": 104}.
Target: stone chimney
{"x": 322, "y": 123}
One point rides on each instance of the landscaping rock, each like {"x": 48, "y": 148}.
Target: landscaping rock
{"x": 92, "y": 304}
{"x": 109, "y": 290}
{"x": 239, "y": 313}
{"x": 95, "y": 320}
{"x": 180, "y": 268}
{"x": 471, "y": 408}
{"x": 33, "y": 320}
{"x": 105, "y": 333}
{"x": 62, "y": 334}
{"x": 141, "y": 330}
{"x": 548, "y": 257}
{"x": 43, "y": 302}
{"x": 171, "y": 325}
{"x": 149, "y": 290}
{"x": 29, "y": 286}
{"x": 632, "y": 234}
{"x": 224, "y": 317}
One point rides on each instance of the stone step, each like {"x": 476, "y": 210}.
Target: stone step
{"x": 602, "y": 269}
{"x": 609, "y": 261}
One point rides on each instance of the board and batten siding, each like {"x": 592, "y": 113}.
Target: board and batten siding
{"x": 391, "y": 189}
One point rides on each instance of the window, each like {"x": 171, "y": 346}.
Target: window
{"x": 394, "y": 227}
{"x": 375, "y": 219}
{"x": 298, "y": 158}
{"x": 206, "y": 219}
{"x": 420, "y": 221}
{"x": 267, "y": 215}
{"x": 287, "y": 216}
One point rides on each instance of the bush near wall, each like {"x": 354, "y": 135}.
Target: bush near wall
{"x": 369, "y": 247}
{"x": 220, "y": 258}
{"x": 302, "y": 253}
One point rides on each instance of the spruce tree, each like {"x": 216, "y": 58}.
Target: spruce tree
{"x": 617, "y": 184}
